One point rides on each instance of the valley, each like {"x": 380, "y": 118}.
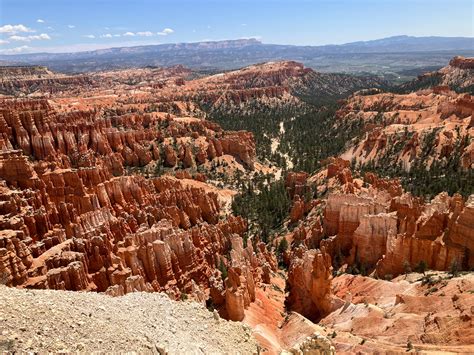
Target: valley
{"x": 303, "y": 211}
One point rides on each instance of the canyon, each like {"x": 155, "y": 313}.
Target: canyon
{"x": 126, "y": 181}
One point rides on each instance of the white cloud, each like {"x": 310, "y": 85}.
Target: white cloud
{"x": 50, "y": 28}
{"x": 165, "y": 32}
{"x": 19, "y": 38}
{"x": 145, "y": 34}
{"x": 243, "y": 24}
{"x": 89, "y": 36}
{"x": 117, "y": 35}
{"x": 258, "y": 38}
{"x": 40, "y": 20}
{"x": 107, "y": 35}
{"x": 71, "y": 26}
{"x": 3, "y": 41}
{"x": 15, "y": 50}
{"x": 142, "y": 34}
{"x": 12, "y": 29}
{"x": 42, "y": 36}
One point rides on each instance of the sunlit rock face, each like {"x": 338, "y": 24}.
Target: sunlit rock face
{"x": 72, "y": 218}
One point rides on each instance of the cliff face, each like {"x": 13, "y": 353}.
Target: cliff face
{"x": 459, "y": 73}
{"x": 402, "y": 233}
{"x": 179, "y": 91}
{"x": 84, "y": 138}
{"x": 309, "y": 281}
{"x": 371, "y": 224}
{"x": 401, "y": 129}
{"x": 38, "y": 80}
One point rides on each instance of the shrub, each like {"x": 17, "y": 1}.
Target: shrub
{"x": 406, "y": 267}
{"x": 223, "y": 269}
{"x": 421, "y": 267}
{"x": 454, "y": 268}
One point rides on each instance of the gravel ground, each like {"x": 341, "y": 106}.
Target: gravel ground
{"x": 60, "y": 321}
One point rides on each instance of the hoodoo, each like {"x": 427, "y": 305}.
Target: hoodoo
{"x": 277, "y": 208}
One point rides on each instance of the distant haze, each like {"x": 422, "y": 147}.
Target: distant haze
{"x": 393, "y": 56}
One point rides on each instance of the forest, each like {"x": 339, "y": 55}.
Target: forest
{"x": 311, "y": 133}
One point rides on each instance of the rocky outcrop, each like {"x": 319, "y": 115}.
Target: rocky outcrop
{"x": 461, "y": 62}
{"x": 83, "y": 139}
{"x": 15, "y": 258}
{"x": 103, "y": 241}
{"x": 240, "y": 145}
{"x": 245, "y": 268}
{"x": 295, "y": 183}
{"x": 382, "y": 229}
{"x": 336, "y": 166}
{"x": 343, "y": 214}
{"x": 297, "y": 209}
{"x": 462, "y": 231}
{"x": 425, "y": 235}
{"x": 403, "y": 129}
{"x": 72, "y": 218}
{"x": 370, "y": 238}
{"x": 315, "y": 344}
{"x": 372, "y": 226}
{"x": 309, "y": 281}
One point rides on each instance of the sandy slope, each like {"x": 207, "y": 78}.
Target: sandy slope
{"x": 51, "y": 321}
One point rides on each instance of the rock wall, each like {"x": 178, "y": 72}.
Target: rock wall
{"x": 309, "y": 283}
{"x": 370, "y": 237}
{"x": 372, "y": 226}
{"x": 388, "y": 231}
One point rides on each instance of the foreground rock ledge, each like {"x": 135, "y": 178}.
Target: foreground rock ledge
{"x": 52, "y": 321}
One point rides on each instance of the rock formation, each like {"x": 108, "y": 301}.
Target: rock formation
{"x": 380, "y": 228}
{"x": 115, "y": 182}
{"x": 309, "y": 280}
{"x": 315, "y": 344}
{"x": 402, "y": 314}
{"x": 73, "y": 219}
{"x": 403, "y": 128}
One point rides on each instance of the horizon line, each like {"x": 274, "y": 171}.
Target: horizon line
{"x": 254, "y": 38}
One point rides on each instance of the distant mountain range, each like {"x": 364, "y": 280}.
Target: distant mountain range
{"x": 403, "y": 44}
{"x": 382, "y": 56}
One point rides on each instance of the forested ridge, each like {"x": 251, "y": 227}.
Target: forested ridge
{"x": 308, "y": 132}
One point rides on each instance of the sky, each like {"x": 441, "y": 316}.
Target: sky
{"x": 30, "y": 26}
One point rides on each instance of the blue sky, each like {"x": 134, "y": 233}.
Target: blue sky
{"x": 66, "y": 26}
